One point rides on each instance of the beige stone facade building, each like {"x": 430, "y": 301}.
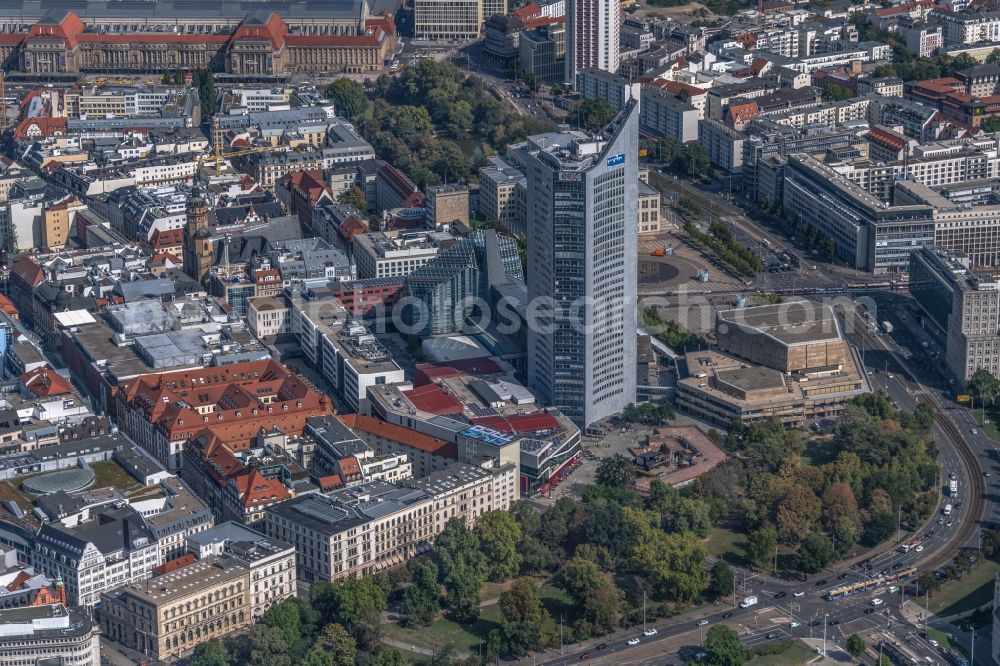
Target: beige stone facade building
{"x": 167, "y": 616}
{"x": 256, "y": 44}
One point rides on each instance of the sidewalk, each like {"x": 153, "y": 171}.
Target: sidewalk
{"x": 834, "y": 653}
{"x": 391, "y": 642}
{"x": 915, "y": 614}
{"x": 623, "y": 633}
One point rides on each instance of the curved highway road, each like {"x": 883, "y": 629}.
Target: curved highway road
{"x": 798, "y": 610}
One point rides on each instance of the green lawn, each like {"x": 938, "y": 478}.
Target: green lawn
{"x": 940, "y": 637}
{"x": 797, "y": 654}
{"x": 971, "y": 591}
{"x": 463, "y": 637}
{"x": 726, "y": 544}
{"x": 110, "y": 473}
{"x": 555, "y": 601}
{"x": 991, "y": 427}
{"x": 494, "y": 590}
{"x": 818, "y": 451}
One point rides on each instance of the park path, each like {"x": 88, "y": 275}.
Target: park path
{"x": 409, "y": 647}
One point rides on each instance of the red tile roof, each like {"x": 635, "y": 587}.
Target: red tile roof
{"x": 676, "y": 87}
{"x": 331, "y": 482}
{"x": 395, "y": 433}
{"x": 7, "y": 307}
{"x": 237, "y": 394}
{"x": 68, "y": 29}
{"x": 274, "y": 31}
{"x": 28, "y": 271}
{"x": 256, "y": 489}
{"x": 886, "y": 139}
{"x": 166, "y": 238}
{"x": 351, "y": 227}
{"x": 45, "y": 126}
{"x": 175, "y": 564}
{"x": 521, "y": 424}
{"x": 527, "y": 11}
{"x": 349, "y": 466}
{"x": 742, "y": 112}
{"x": 432, "y": 398}
{"x": 44, "y": 382}
{"x": 18, "y": 581}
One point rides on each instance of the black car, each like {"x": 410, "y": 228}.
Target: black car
{"x": 834, "y": 622}
{"x": 781, "y": 595}
{"x": 726, "y": 616}
{"x": 869, "y": 611}
{"x": 814, "y": 623}
{"x": 843, "y": 576}
{"x": 821, "y": 583}
{"x": 897, "y": 565}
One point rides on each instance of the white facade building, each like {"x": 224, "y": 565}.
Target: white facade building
{"x": 593, "y": 33}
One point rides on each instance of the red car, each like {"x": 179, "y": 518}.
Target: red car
{"x": 585, "y": 655}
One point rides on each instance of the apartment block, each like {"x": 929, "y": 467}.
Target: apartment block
{"x": 361, "y": 530}
{"x": 666, "y": 114}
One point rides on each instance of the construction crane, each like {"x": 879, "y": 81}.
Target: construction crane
{"x": 218, "y": 149}
{"x": 3, "y": 100}
{"x": 217, "y": 155}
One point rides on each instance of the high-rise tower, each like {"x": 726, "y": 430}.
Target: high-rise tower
{"x": 582, "y": 207}
{"x": 593, "y": 31}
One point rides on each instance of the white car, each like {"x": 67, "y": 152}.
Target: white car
{"x": 876, "y": 602}
{"x": 633, "y": 641}
{"x": 798, "y": 594}
{"x": 973, "y": 431}
{"x": 702, "y": 623}
{"x": 649, "y": 632}
{"x": 919, "y": 549}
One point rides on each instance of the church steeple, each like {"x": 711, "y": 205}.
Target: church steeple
{"x": 197, "y": 236}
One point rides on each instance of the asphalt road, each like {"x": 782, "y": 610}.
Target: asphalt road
{"x": 772, "y": 618}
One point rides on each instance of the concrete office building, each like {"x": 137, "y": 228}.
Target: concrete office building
{"x": 593, "y": 33}
{"x": 961, "y": 303}
{"x": 542, "y": 53}
{"x": 50, "y": 634}
{"x": 789, "y": 362}
{"x": 447, "y": 204}
{"x": 582, "y": 212}
{"x": 499, "y": 185}
{"x": 869, "y": 234}
{"x": 447, "y": 19}
{"x": 359, "y": 531}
